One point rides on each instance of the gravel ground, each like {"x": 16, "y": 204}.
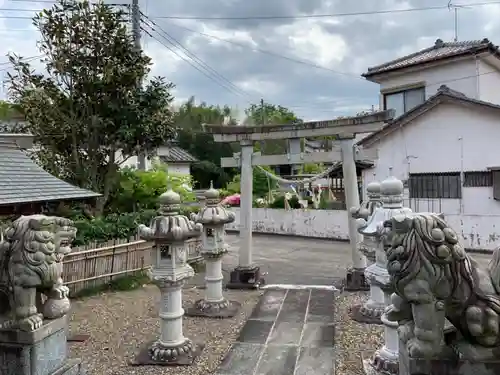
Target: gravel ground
{"x": 354, "y": 340}
{"x": 121, "y": 323}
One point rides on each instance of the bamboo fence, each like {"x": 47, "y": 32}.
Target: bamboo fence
{"x": 98, "y": 263}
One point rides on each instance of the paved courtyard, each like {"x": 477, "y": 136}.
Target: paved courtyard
{"x": 292, "y": 260}
{"x": 291, "y": 331}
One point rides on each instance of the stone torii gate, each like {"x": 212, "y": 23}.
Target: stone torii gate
{"x": 247, "y": 274}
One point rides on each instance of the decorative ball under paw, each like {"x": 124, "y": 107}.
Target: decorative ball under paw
{"x": 158, "y": 352}
{"x": 206, "y": 306}
{"x": 55, "y": 308}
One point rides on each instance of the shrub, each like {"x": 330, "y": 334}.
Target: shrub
{"x": 261, "y": 183}
{"x": 116, "y": 226}
{"x": 109, "y": 227}
{"x": 139, "y": 190}
{"x": 279, "y": 202}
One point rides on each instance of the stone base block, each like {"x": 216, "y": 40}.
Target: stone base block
{"x": 223, "y": 309}
{"x": 459, "y": 359}
{"x": 186, "y": 358}
{"x": 355, "y": 280}
{"x": 245, "y": 278}
{"x": 378, "y": 365}
{"x": 41, "y": 352}
{"x": 367, "y": 313}
{"x": 72, "y": 367}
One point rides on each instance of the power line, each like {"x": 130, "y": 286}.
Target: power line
{"x": 328, "y": 15}
{"x": 176, "y": 44}
{"x": 280, "y": 17}
{"x": 16, "y": 17}
{"x": 193, "y": 63}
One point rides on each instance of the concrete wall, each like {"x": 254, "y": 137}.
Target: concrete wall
{"x": 489, "y": 81}
{"x": 475, "y": 232}
{"x": 179, "y": 168}
{"x": 308, "y": 223}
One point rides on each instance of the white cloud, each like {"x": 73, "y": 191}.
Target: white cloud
{"x": 164, "y": 62}
{"x": 491, "y": 14}
{"x": 260, "y": 86}
{"x": 308, "y": 40}
{"x": 237, "y": 36}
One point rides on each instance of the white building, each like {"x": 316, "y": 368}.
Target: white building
{"x": 443, "y": 141}
{"x": 178, "y": 160}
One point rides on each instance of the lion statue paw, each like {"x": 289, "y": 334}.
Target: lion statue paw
{"x": 420, "y": 349}
{"x": 31, "y": 323}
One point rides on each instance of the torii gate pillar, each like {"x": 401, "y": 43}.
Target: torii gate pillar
{"x": 355, "y": 278}
{"x": 247, "y": 274}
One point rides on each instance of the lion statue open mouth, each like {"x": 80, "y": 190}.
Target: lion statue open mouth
{"x": 31, "y": 256}
{"x": 434, "y": 280}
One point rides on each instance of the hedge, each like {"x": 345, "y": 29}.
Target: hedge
{"x": 115, "y": 226}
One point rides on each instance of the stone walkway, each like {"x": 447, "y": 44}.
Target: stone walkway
{"x": 290, "y": 332}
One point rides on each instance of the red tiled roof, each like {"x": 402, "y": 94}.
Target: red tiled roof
{"x": 440, "y": 50}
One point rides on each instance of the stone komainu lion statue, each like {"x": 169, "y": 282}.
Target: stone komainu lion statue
{"x": 31, "y": 255}
{"x": 435, "y": 279}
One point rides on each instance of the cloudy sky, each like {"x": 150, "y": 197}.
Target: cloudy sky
{"x": 311, "y": 65}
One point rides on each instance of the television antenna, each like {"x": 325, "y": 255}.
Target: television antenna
{"x": 455, "y": 8}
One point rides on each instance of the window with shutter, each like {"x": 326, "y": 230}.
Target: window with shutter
{"x": 445, "y": 185}
{"x": 496, "y": 185}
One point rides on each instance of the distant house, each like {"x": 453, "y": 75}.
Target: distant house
{"x": 25, "y": 188}
{"x": 443, "y": 142}
{"x": 178, "y": 160}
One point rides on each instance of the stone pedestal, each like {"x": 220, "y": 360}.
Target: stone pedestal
{"x": 172, "y": 348}
{"x": 385, "y": 359}
{"x": 213, "y": 217}
{"x": 378, "y": 278}
{"x": 169, "y": 272}
{"x": 453, "y": 360}
{"x": 40, "y": 352}
{"x": 355, "y": 280}
{"x": 245, "y": 278}
{"x": 214, "y": 305}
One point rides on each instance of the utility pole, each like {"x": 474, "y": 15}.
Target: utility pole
{"x": 263, "y": 112}
{"x": 136, "y": 31}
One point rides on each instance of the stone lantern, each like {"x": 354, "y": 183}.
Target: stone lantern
{"x": 213, "y": 217}
{"x": 386, "y": 359}
{"x": 363, "y": 213}
{"x": 170, "y": 270}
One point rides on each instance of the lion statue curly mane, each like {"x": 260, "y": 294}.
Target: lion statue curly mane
{"x": 435, "y": 280}
{"x": 31, "y": 255}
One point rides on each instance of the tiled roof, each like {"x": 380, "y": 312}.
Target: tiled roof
{"x": 23, "y": 181}
{"x": 177, "y": 155}
{"x": 440, "y": 50}
{"x": 444, "y": 95}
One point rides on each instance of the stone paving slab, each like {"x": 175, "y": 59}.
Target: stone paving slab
{"x": 290, "y": 332}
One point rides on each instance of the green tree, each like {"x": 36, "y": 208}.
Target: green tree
{"x": 267, "y": 113}
{"x": 140, "y": 190}
{"x": 89, "y": 105}
{"x": 261, "y": 183}
{"x": 189, "y": 122}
